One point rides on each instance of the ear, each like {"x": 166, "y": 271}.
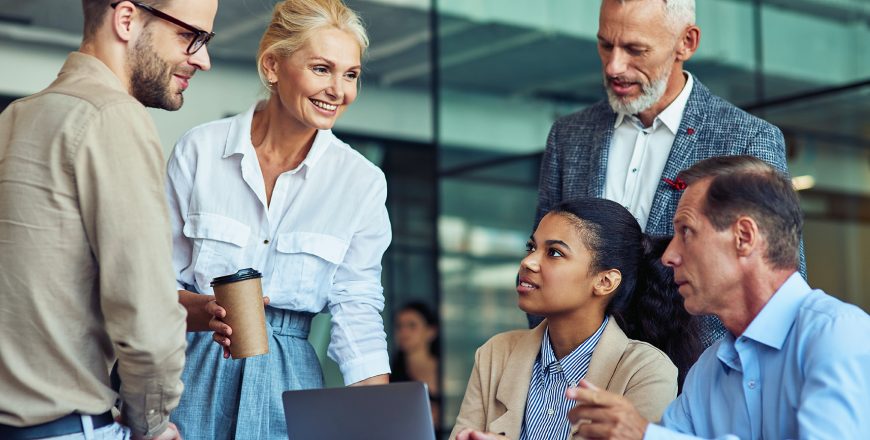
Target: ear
{"x": 746, "y": 236}
{"x": 123, "y": 24}
{"x": 606, "y": 282}
{"x": 688, "y": 43}
{"x": 270, "y": 67}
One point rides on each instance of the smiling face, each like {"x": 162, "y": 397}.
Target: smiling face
{"x": 638, "y": 54}
{"x": 317, "y": 82}
{"x": 160, "y": 67}
{"x": 704, "y": 260}
{"x": 556, "y": 277}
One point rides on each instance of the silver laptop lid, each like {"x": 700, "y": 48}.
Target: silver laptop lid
{"x": 383, "y": 412}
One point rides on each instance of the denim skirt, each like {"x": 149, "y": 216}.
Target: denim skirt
{"x": 241, "y": 399}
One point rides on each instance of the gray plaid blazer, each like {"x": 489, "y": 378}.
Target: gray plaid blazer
{"x": 575, "y": 161}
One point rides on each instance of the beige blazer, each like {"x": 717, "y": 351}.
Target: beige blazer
{"x": 495, "y": 399}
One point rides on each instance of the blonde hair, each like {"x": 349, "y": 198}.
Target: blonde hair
{"x": 293, "y": 22}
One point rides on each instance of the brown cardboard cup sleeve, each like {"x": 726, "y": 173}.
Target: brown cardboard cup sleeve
{"x": 241, "y": 294}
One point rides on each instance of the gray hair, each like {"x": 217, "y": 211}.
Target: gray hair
{"x": 679, "y": 13}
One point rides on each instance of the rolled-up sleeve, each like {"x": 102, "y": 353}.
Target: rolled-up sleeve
{"x": 119, "y": 179}
{"x": 358, "y": 343}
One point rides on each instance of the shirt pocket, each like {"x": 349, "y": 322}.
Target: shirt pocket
{"x": 306, "y": 263}
{"x": 218, "y": 245}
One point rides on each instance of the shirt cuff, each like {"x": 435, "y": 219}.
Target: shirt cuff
{"x": 365, "y": 367}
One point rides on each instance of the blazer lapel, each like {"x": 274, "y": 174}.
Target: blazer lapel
{"x": 607, "y": 354}
{"x": 513, "y": 388}
{"x": 680, "y": 158}
{"x": 602, "y": 135}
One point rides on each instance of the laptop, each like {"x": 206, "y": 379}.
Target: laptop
{"x": 383, "y": 412}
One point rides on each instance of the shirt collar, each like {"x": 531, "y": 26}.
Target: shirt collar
{"x": 573, "y": 364}
{"x": 93, "y": 67}
{"x": 771, "y": 326}
{"x": 672, "y": 115}
{"x": 239, "y": 139}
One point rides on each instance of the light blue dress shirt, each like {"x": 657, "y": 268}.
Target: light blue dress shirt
{"x": 800, "y": 370}
{"x": 546, "y": 416}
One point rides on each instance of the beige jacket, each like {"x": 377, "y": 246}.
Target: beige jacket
{"x": 495, "y": 399}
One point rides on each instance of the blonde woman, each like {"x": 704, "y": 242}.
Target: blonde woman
{"x": 275, "y": 190}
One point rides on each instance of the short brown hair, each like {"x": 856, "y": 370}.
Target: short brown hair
{"x": 95, "y": 11}
{"x": 746, "y": 185}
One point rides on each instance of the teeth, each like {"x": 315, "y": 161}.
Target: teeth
{"x": 324, "y": 105}
{"x": 525, "y": 284}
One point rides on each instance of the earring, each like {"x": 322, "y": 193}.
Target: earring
{"x": 272, "y": 84}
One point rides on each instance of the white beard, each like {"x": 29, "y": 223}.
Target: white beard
{"x": 649, "y": 95}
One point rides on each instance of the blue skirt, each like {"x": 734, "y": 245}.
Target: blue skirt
{"x": 241, "y": 399}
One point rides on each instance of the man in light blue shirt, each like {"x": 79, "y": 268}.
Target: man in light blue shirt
{"x": 796, "y": 361}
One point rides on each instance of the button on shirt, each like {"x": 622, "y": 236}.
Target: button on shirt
{"x": 318, "y": 244}
{"x": 547, "y": 408}
{"x": 638, "y": 156}
{"x": 800, "y": 370}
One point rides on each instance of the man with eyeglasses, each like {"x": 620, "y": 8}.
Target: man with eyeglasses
{"x": 85, "y": 253}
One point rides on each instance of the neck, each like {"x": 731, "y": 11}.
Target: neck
{"x": 418, "y": 355}
{"x": 568, "y": 332}
{"x": 676, "y": 81}
{"x": 275, "y": 133}
{"x": 756, "y": 292}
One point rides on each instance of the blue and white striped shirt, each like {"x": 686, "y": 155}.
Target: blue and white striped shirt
{"x": 547, "y": 408}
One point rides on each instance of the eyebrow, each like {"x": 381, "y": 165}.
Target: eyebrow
{"x": 331, "y": 63}
{"x": 552, "y": 242}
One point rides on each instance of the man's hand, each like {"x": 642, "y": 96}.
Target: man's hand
{"x": 222, "y": 331}
{"x": 170, "y": 433}
{"x": 605, "y": 415}
{"x": 470, "y": 434}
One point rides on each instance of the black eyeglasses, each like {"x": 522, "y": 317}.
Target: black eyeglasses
{"x": 200, "y": 37}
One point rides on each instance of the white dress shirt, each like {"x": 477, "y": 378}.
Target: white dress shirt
{"x": 638, "y": 156}
{"x": 318, "y": 244}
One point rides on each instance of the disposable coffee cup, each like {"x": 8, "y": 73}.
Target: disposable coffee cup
{"x": 241, "y": 295}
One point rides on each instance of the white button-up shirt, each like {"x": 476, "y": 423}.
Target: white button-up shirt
{"x": 638, "y": 156}
{"x": 318, "y": 244}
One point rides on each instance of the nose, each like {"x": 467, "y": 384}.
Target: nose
{"x": 201, "y": 59}
{"x": 615, "y": 62}
{"x": 671, "y": 256}
{"x": 530, "y": 263}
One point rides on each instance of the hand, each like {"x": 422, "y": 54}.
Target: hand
{"x": 222, "y": 331}
{"x": 197, "y": 315}
{"x": 602, "y": 414}
{"x": 170, "y": 433}
{"x": 471, "y": 434}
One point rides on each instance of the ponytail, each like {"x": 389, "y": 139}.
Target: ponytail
{"x": 655, "y": 312}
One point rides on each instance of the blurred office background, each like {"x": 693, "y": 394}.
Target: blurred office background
{"x": 458, "y": 97}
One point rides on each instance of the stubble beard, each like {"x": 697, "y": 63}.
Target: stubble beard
{"x": 151, "y": 77}
{"x": 650, "y": 94}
